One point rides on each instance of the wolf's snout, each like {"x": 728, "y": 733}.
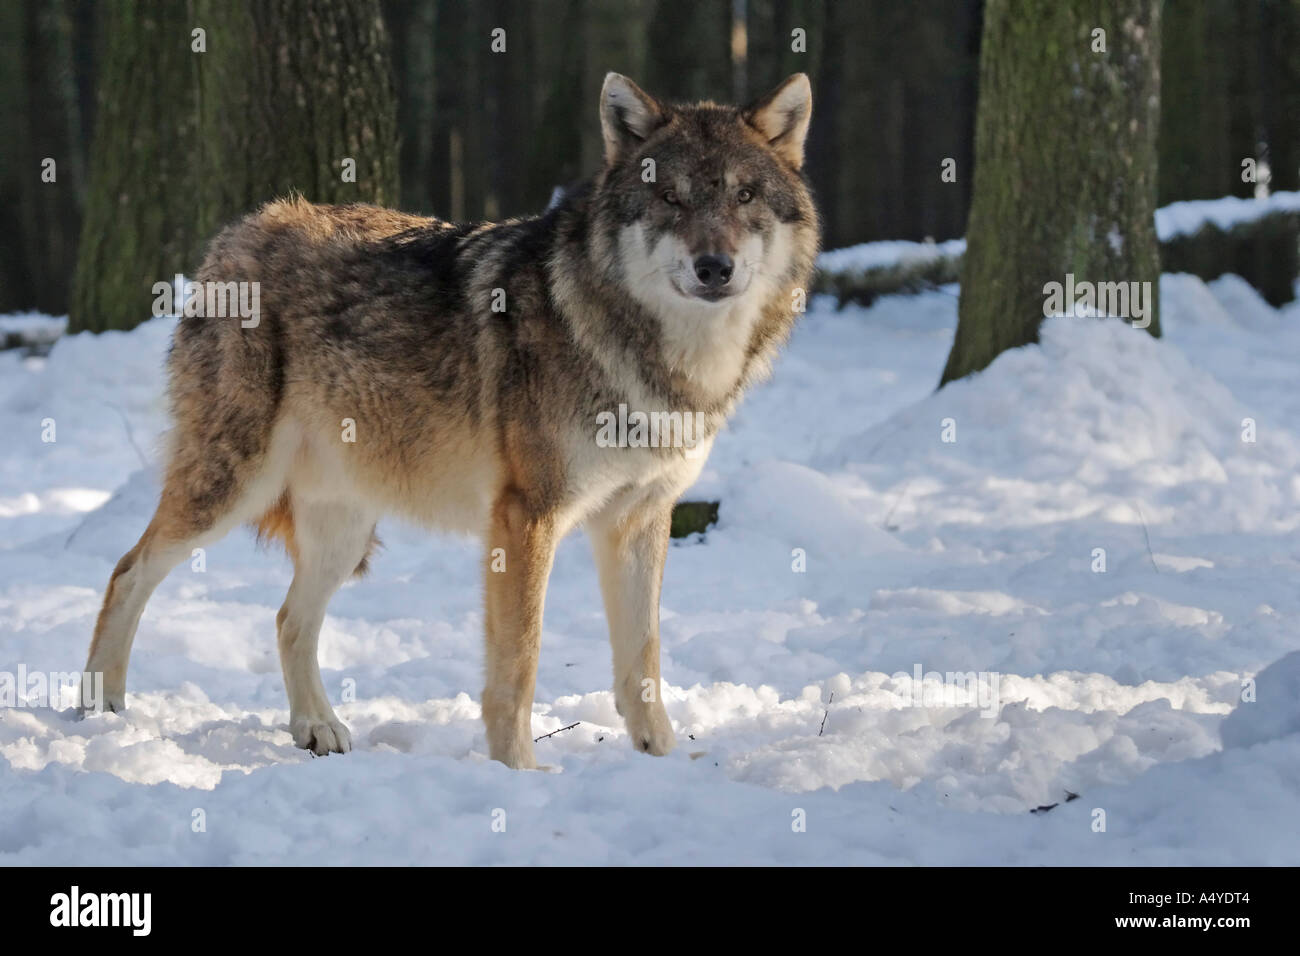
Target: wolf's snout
{"x": 714, "y": 271}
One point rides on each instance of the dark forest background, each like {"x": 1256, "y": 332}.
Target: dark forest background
{"x": 485, "y": 135}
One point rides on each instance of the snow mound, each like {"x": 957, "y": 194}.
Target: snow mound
{"x": 1099, "y": 417}
{"x": 1243, "y": 302}
{"x": 798, "y": 506}
{"x": 1275, "y": 711}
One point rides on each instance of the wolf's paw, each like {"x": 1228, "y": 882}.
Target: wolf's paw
{"x": 650, "y": 729}
{"x": 111, "y": 704}
{"x": 517, "y": 755}
{"x": 321, "y": 737}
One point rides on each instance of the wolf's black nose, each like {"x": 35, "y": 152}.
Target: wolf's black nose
{"x": 714, "y": 271}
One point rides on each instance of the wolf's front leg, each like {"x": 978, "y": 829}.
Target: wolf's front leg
{"x": 521, "y": 548}
{"x": 631, "y": 545}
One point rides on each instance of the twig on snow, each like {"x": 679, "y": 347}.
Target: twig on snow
{"x": 130, "y": 433}
{"x": 554, "y": 732}
{"x": 1146, "y": 534}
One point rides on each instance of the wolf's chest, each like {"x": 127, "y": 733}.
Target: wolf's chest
{"x": 632, "y": 457}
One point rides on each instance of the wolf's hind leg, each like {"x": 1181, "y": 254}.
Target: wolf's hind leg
{"x": 330, "y": 543}
{"x": 134, "y": 579}
{"x": 178, "y": 526}
{"x": 212, "y": 484}
{"x": 630, "y": 546}
{"x": 514, "y": 596}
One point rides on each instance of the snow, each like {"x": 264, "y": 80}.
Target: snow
{"x": 1176, "y": 219}
{"x": 1188, "y": 217}
{"x": 948, "y": 659}
{"x": 888, "y": 253}
{"x": 30, "y": 328}
{"x": 1278, "y": 685}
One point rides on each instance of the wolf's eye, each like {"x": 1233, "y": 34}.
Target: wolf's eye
{"x": 745, "y": 195}
{"x": 669, "y": 197}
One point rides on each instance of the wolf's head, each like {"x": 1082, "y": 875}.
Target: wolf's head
{"x": 707, "y": 204}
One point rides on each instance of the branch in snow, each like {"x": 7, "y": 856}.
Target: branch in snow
{"x": 554, "y": 732}
{"x": 830, "y": 701}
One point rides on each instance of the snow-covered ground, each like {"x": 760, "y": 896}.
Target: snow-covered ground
{"x": 802, "y": 738}
{"x": 1174, "y": 220}
{"x": 30, "y": 329}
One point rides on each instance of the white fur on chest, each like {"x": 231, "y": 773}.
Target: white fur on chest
{"x": 707, "y": 342}
{"x": 597, "y": 474}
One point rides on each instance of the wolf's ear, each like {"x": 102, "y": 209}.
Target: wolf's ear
{"x": 783, "y": 115}
{"x": 628, "y": 115}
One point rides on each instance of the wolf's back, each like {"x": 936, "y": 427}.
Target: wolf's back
{"x": 226, "y": 373}
{"x": 292, "y": 250}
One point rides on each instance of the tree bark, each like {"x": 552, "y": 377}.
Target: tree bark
{"x": 186, "y": 140}
{"x": 1065, "y": 165}
{"x": 412, "y": 26}
{"x": 1280, "y": 106}
{"x": 289, "y": 90}
{"x": 690, "y": 46}
{"x": 139, "y": 227}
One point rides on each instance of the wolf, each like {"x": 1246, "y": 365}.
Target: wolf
{"x": 454, "y": 375}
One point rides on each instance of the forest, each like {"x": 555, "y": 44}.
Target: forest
{"x": 166, "y": 118}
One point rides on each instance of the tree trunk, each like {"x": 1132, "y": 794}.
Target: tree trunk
{"x": 290, "y": 90}
{"x": 825, "y": 158}
{"x": 283, "y": 94}
{"x": 608, "y": 37}
{"x": 49, "y": 211}
{"x": 139, "y": 226}
{"x": 509, "y": 93}
{"x": 451, "y": 65}
{"x": 690, "y": 46}
{"x": 1280, "y": 106}
{"x": 412, "y": 25}
{"x": 1065, "y": 165}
